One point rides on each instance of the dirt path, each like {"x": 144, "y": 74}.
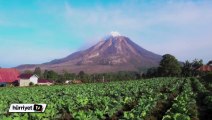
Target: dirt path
{"x": 164, "y": 105}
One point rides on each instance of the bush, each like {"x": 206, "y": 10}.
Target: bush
{"x": 31, "y": 84}
{"x": 208, "y": 77}
{"x": 208, "y": 101}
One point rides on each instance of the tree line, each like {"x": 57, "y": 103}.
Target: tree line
{"x": 169, "y": 67}
{"x": 84, "y": 77}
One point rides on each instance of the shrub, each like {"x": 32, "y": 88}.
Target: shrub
{"x": 208, "y": 77}
{"x": 31, "y": 84}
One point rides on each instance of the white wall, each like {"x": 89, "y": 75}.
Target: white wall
{"x": 34, "y": 79}
{"x": 24, "y": 82}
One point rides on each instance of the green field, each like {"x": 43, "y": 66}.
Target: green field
{"x": 150, "y": 99}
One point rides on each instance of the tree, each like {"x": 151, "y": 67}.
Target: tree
{"x": 61, "y": 79}
{"x": 169, "y": 66}
{"x": 195, "y": 65}
{"x": 51, "y": 75}
{"x": 152, "y": 72}
{"x": 81, "y": 75}
{"x": 209, "y": 63}
{"x": 45, "y": 74}
{"x": 191, "y": 68}
{"x": 37, "y": 71}
{"x": 187, "y": 69}
{"x": 69, "y": 76}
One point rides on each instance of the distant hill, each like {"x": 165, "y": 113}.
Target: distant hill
{"x": 115, "y": 53}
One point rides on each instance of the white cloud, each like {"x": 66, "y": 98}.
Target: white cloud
{"x": 180, "y": 28}
{"x": 124, "y": 16}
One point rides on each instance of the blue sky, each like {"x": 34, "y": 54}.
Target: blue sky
{"x": 37, "y": 31}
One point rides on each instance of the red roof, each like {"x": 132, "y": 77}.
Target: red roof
{"x": 205, "y": 68}
{"x": 8, "y": 75}
{"x": 25, "y": 76}
{"x": 44, "y": 81}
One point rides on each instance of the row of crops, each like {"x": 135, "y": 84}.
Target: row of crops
{"x": 157, "y": 98}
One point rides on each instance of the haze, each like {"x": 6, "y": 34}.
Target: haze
{"x": 38, "y": 31}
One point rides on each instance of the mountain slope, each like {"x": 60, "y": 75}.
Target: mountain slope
{"x": 115, "y": 53}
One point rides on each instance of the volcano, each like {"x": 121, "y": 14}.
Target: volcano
{"x": 113, "y": 53}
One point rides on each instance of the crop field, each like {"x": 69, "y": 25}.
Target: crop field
{"x": 150, "y": 99}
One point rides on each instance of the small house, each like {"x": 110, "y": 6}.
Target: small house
{"x": 26, "y": 79}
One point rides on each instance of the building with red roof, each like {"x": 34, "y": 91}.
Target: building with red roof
{"x": 44, "y": 82}
{"x": 9, "y": 75}
{"x": 205, "y": 68}
{"x": 26, "y": 79}
{"x": 26, "y": 76}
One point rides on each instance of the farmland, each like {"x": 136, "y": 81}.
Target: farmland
{"x": 150, "y": 99}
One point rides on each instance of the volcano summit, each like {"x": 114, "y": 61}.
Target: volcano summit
{"x": 115, "y": 53}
